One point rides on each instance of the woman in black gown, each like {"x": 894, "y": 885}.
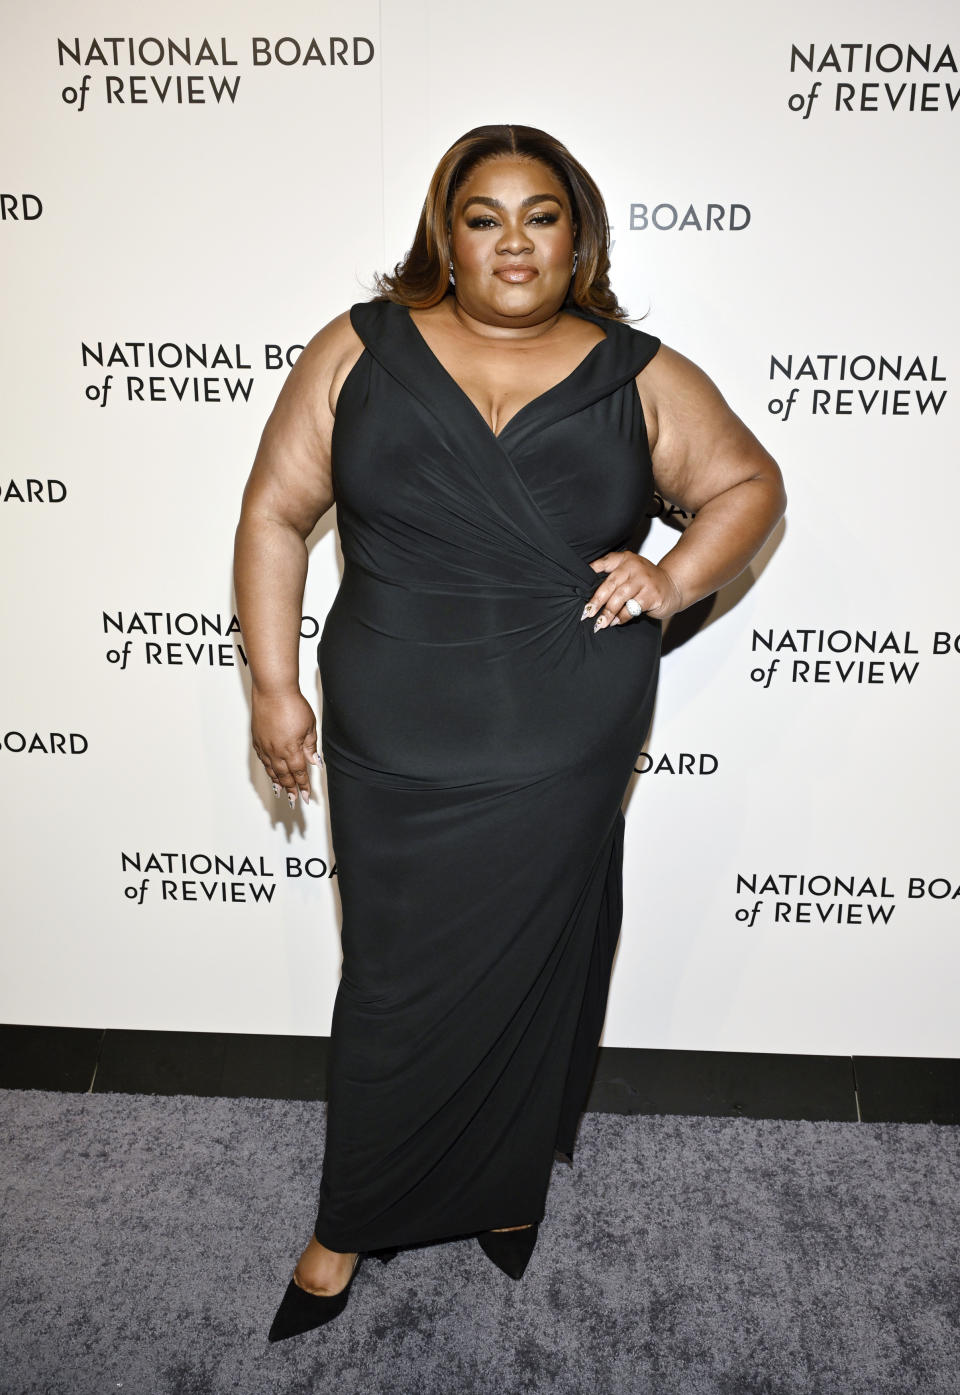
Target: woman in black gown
{"x": 491, "y": 432}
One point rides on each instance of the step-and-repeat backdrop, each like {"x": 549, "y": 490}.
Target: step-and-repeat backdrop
{"x": 188, "y": 192}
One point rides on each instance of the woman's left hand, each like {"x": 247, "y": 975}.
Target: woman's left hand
{"x": 631, "y": 577}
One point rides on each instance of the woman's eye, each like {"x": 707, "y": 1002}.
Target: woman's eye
{"x": 485, "y": 220}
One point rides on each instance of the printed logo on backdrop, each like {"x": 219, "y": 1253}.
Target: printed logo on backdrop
{"x": 147, "y": 372}
{"x": 31, "y": 491}
{"x": 43, "y": 743}
{"x": 905, "y": 79}
{"x": 688, "y": 217}
{"x": 857, "y": 385}
{"x": 200, "y": 71}
{"x": 20, "y": 208}
{"x": 202, "y": 878}
{"x": 847, "y": 658}
{"x": 180, "y": 639}
{"x": 677, "y": 763}
{"x": 802, "y": 898}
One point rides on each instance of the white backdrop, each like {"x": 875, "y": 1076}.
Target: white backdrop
{"x": 206, "y": 196}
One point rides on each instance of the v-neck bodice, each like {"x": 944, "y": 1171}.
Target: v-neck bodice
{"x": 429, "y": 495}
{"x": 498, "y": 435}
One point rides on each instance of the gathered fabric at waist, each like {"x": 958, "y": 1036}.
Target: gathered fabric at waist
{"x": 501, "y": 683}
{"x": 443, "y": 611}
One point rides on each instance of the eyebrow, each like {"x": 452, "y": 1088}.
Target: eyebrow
{"x": 525, "y": 203}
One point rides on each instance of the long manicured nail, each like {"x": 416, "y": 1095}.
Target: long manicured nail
{"x": 276, "y": 789}
{"x": 601, "y": 622}
{"x": 587, "y": 611}
{"x": 292, "y": 799}
{"x": 305, "y": 796}
{"x": 614, "y": 621}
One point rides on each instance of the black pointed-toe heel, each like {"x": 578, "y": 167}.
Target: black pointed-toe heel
{"x": 510, "y": 1250}
{"x": 301, "y": 1311}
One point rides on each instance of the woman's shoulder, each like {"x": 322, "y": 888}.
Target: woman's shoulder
{"x": 629, "y": 349}
{"x": 630, "y": 344}
{"x": 338, "y": 333}
{"x": 348, "y": 328}
{"x": 640, "y": 339}
{"x": 683, "y": 401}
{"x": 334, "y": 344}
{"x": 671, "y": 372}
{"x": 324, "y": 363}
{"x": 629, "y": 327}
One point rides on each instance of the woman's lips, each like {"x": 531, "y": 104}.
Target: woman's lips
{"x": 516, "y": 273}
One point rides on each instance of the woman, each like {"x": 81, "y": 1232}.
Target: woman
{"x": 491, "y": 432}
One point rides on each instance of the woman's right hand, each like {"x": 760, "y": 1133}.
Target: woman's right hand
{"x": 284, "y": 733}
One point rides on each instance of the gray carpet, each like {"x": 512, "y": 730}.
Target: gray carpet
{"x": 147, "y": 1240}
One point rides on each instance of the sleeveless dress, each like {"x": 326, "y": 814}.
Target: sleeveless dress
{"x": 478, "y": 740}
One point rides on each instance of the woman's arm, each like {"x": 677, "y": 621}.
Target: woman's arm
{"x": 290, "y": 487}
{"x": 710, "y": 464}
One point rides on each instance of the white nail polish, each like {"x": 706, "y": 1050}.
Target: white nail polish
{"x": 305, "y": 796}
{"x": 292, "y": 798}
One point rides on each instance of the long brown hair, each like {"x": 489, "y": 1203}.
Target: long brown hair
{"x": 421, "y": 279}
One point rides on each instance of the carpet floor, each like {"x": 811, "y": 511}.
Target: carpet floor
{"x": 147, "y": 1241}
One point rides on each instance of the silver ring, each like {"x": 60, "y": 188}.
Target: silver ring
{"x": 634, "y": 607}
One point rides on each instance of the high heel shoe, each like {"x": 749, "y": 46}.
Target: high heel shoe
{"x": 301, "y": 1311}
{"x": 510, "y": 1250}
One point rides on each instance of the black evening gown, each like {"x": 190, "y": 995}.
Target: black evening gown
{"x": 478, "y": 739}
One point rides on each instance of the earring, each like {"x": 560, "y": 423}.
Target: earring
{"x": 452, "y": 281}
{"x": 576, "y": 258}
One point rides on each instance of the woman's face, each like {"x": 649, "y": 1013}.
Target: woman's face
{"x": 512, "y": 240}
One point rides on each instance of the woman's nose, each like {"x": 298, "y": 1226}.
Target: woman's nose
{"x": 514, "y": 239}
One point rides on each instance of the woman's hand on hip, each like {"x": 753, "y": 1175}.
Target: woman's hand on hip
{"x": 284, "y": 734}
{"x": 631, "y": 578}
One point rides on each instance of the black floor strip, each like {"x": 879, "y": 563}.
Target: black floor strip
{"x": 754, "y": 1085}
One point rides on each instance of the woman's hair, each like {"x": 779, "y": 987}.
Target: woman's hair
{"x": 421, "y": 279}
